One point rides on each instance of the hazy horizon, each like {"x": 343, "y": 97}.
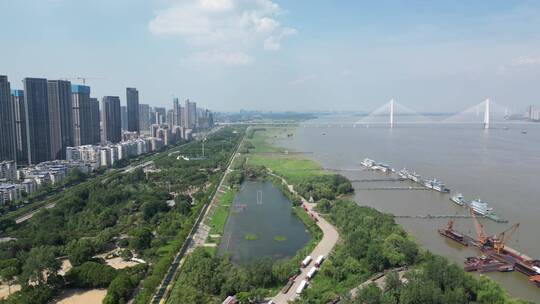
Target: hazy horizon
{"x": 274, "y": 55}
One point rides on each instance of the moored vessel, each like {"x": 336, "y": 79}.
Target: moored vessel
{"x": 480, "y": 207}
{"x": 458, "y": 199}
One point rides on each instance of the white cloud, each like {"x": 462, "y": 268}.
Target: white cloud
{"x": 303, "y": 79}
{"x": 218, "y": 57}
{"x": 346, "y": 73}
{"x": 235, "y": 25}
{"x": 273, "y": 43}
{"x": 522, "y": 60}
{"x": 217, "y": 5}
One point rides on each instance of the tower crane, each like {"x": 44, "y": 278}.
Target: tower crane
{"x": 500, "y": 240}
{"x": 480, "y": 231}
{"x": 82, "y": 78}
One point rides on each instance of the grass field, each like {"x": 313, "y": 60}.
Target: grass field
{"x": 292, "y": 167}
{"x": 217, "y": 224}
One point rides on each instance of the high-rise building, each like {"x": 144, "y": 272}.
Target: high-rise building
{"x": 111, "y": 119}
{"x": 160, "y": 115}
{"x": 123, "y": 114}
{"x": 177, "y": 112}
{"x": 144, "y": 117}
{"x": 7, "y": 122}
{"x": 60, "y": 117}
{"x": 95, "y": 127}
{"x": 132, "y": 98}
{"x": 82, "y": 119}
{"x": 37, "y": 120}
{"x": 17, "y": 99}
{"x": 189, "y": 119}
{"x": 170, "y": 117}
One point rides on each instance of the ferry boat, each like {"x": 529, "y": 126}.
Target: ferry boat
{"x": 439, "y": 186}
{"x": 415, "y": 177}
{"x": 428, "y": 183}
{"x": 382, "y": 167}
{"x": 368, "y": 163}
{"x": 458, "y": 199}
{"x": 480, "y": 207}
{"x": 436, "y": 185}
{"x": 403, "y": 173}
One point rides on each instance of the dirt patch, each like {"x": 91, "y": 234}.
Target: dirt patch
{"x": 76, "y": 296}
{"x": 119, "y": 263}
{"x": 5, "y": 290}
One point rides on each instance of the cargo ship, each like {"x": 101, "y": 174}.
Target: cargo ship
{"x": 452, "y": 234}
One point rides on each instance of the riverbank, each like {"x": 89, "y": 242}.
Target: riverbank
{"x": 372, "y": 243}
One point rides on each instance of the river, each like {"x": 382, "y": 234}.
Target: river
{"x": 499, "y": 165}
{"x": 261, "y": 223}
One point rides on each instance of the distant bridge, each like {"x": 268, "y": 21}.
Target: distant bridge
{"x": 390, "y": 114}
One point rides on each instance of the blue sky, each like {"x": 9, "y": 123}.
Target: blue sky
{"x": 282, "y": 55}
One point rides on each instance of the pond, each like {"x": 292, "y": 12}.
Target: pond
{"x": 262, "y": 223}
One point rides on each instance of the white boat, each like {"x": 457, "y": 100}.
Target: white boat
{"x": 403, "y": 173}
{"x": 458, "y": 199}
{"x": 415, "y": 177}
{"x": 439, "y": 186}
{"x": 428, "y": 183}
{"x": 368, "y": 163}
{"x": 481, "y": 207}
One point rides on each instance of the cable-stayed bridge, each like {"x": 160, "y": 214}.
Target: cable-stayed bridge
{"x": 392, "y": 113}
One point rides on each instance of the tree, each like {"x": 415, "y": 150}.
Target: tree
{"x": 149, "y": 209}
{"x": 126, "y": 254}
{"x": 324, "y": 205}
{"x": 141, "y": 238}
{"x": 119, "y": 290}
{"x": 370, "y": 294}
{"x": 490, "y": 292}
{"x": 399, "y": 250}
{"x": 79, "y": 251}
{"x": 91, "y": 275}
{"x": 40, "y": 266}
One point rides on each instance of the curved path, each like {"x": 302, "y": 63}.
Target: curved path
{"x": 325, "y": 246}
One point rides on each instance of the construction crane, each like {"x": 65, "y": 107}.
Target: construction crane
{"x": 500, "y": 240}
{"x": 480, "y": 231}
{"x": 82, "y": 78}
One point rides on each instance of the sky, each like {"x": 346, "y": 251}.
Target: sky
{"x": 282, "y": 55}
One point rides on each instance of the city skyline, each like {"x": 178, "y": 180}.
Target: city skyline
{"x": 39, "y": 123}
{"x": 263, "y": 55}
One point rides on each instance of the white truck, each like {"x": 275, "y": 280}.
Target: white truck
{"x": 306, "y": 261}
{"x": 301, "y": 287}
{"x": 311, "y": 273}
{"x": 319, "y": 261}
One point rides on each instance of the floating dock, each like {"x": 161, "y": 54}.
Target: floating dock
{"x": 507, "y": 259}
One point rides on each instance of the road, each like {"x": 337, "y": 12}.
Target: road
{"x": 29, "y": 215}
{"x": 325, "y": 246}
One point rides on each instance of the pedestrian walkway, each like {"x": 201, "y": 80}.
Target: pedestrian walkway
{"x": 325, "y": 246}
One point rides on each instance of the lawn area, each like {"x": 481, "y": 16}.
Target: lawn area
{"x": 294, "y": 168}
{"x": 261, "y": 143}
{"x": 217, "y": 224}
